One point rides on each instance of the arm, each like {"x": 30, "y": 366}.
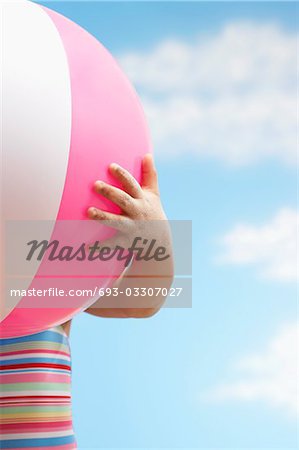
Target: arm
{"x": 139, "y": 204}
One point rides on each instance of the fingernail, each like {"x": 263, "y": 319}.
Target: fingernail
{"x": 99, "y": 184}
{"x": 92, "y": 212}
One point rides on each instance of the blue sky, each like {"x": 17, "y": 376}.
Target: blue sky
{"x": 171, "y": 381}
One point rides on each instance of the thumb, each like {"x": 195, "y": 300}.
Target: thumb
{"x": 149, "y": 179}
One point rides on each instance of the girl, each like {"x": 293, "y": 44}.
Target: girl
{"x": 35, "y": 371}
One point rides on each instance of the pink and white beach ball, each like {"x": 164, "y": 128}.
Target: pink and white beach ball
{"x": 68, "y": 111}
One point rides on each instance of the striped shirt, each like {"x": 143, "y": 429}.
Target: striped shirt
{"x": 35, "y": 393}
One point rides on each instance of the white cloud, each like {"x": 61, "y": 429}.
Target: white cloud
{"x": 271, "y": 246}
{"x": 270, "y": 376}
{"x": 231, "y": 95}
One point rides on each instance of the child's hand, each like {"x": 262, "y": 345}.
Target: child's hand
{"x": 142, "y": 215}
{"x": 138, "y": 203}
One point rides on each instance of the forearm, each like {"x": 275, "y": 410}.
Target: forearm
{"x": 145, "y": 277}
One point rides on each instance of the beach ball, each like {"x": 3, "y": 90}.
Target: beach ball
{"x": 68, "y": 111}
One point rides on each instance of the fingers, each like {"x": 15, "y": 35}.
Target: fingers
{"x": 116, "y": 195}
{"x": 128, "y": 182}
{"x": 115, "y": 221}
{"x": 149, "y": 174}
